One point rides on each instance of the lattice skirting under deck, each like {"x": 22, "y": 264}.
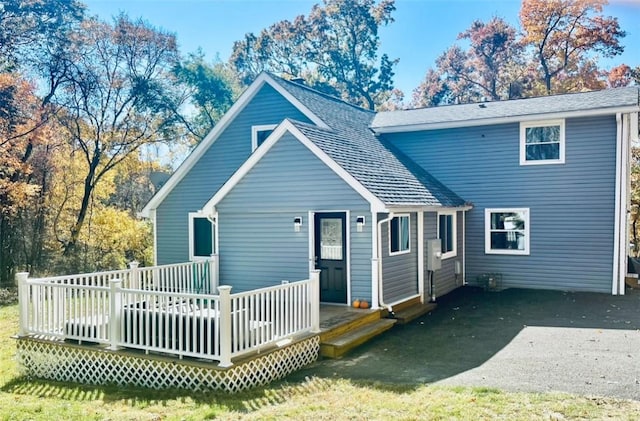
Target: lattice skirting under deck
{"x": 59, "y": 361}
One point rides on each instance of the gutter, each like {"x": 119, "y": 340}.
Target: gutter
{"x": 379, "y": 257}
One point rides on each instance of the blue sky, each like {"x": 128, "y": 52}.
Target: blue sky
{"x": 422, "y": 30}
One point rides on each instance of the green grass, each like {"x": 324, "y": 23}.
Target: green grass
{"x": 22, "y": 398}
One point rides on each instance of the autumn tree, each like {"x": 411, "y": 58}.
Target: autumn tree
{"x": 114, "y": 99}
{"x": 490, "y": 69}
{"x": 564, "y": 36}
{"x": 334, "y": 48}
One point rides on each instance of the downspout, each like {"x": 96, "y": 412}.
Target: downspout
{"x": 380, "y": 289}
{"x": 618, "y": 198}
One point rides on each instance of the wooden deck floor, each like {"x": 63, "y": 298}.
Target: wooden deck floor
{"x": 333, "y": 316}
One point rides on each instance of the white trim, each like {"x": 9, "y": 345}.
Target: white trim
{"x": 625, "y": 197}
{"x": 375, "y": 267}
{"x": 152, "y": 216}
{"x": 200, "y": 215}
{"x": 617, "y": 201}
{"x": 621, "y": 228}
{"x": 408, "y": 250}
{"x": 454, "y": 231}
{"x": 421, "y": 255}
{"x": 348, "y": 254}
{"x": 287, "y": 126}
{"x": 257, "y": 129}
{"x": 214, "y": 134}
{"x": 312, "y": 243}
{"x": 500, "y": 120}
{"x": 487, "y": 231}
{"x": 523, "y": 141}
{"x": 464, "y": 248}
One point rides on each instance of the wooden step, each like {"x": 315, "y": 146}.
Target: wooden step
{"x": 339, "y": 345}
{"x": 353, "y": 319}
{"x": 406, "y": 304}
{"x": 408, "y": 314}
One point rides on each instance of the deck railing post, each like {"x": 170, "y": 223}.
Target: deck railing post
{"x": 214, "y": 270}
{"x": 134, "y": 276}
{"x": 224, "y": 292}
{"x": 23, "y": 299}
{"x": 314, "y": 297}
{"x": 115, "y": 313}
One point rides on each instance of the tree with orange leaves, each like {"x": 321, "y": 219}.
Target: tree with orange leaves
{"x": 564, "y": 36}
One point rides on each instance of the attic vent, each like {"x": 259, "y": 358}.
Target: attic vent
{"x": 298, "y": 80}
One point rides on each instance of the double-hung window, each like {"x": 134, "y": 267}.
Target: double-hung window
{"x": 507, "y": 231}
{"x": 259, "y": 134}
{"x": 447, "y": 233}
{"x": 201, "y": 236}
{"x": 542, "y": 142}
{"x": 399, "y": 241}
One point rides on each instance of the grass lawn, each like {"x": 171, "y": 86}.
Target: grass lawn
{"x": 316, "y": 398}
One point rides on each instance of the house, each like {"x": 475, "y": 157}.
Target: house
{"x": 394, "y": 206}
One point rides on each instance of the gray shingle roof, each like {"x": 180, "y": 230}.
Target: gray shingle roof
{"x": 478, "y": 114}
{"x": 387, "y": 174}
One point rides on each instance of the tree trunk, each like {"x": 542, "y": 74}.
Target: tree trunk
{"x": 89, "y": 184}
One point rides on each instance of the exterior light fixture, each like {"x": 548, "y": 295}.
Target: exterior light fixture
{"x": 360, "y": 220}
{"x": 297, "y": 223}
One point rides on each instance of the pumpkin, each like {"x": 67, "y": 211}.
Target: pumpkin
{"x": 364, "y": 304}
{"x": 356, "y": 303}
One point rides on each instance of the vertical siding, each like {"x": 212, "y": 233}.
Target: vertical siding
{"x": 399, "y": 272}
{"x": 222, "y": 159}
{"x": 258, "y": 245}
{"x": 571, "y": 205}
{"x": 445, "y": 279}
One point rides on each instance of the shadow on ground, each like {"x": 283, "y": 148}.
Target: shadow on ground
{"x": 471, "y": 326}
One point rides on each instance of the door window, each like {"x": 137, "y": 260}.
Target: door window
{"x": 331, "y": 239}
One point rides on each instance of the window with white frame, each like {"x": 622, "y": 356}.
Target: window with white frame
{"x": 201, "y": 236}
{"x": 259, "y": 134}
{"x": 399, "y": 241}
{"x": 507, "y": 231}
{"x": 447, "y": 233}
{"x": 542, "y": 142}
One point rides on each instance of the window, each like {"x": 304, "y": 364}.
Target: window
{"x": 259, "y": 134}
{"x": 507, "y": 231}
{"x": 201, "y": 236}
{"x": 399, "y": 235}
{"x": 447, "y": 233}
{"x": 542, "y": 142}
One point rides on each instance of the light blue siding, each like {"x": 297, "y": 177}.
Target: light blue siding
{"x": 222, "y": 159}
{"x": 445, "y": 279}
{"x": 571, "y": 205}
{"x": 399, "y": 272}
{"x": 258, "y": 245}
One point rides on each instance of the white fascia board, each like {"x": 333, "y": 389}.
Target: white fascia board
{"x": 214, "y": 134}
{"x": 501, "y": 120}
{"x": 422, "y": 208}
{"x": 287, "y": 126}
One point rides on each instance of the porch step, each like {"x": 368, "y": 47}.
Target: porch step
{"x": 347, "y": 322}
{"x": 339, "y": 345}
{"x": 407, "y": 314}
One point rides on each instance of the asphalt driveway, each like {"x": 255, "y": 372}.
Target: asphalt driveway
{"x": 518, "y": 340}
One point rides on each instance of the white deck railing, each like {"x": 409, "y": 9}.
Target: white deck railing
{"x": 167, "y": 309}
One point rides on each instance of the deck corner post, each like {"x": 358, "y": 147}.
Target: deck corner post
{"x": 224, "y": 292}
{"x": 314, "y": 297}
{"x": 23, "y": 299}
{"x": 135, "y": 278}
{"x": 214, "y": 270}
{"x": 115, "y": 313}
